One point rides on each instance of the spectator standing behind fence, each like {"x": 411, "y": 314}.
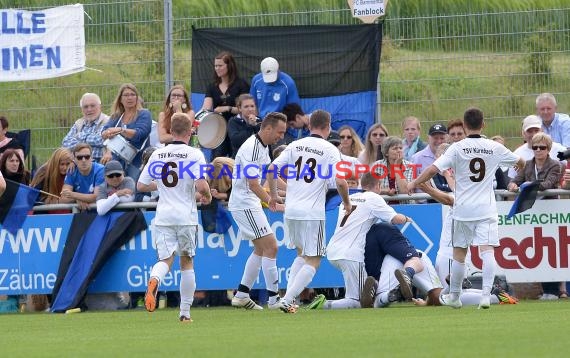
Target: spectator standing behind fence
{"x": 272, "y": 88}
{"x": 455, "y": 130}
{"x": 350, "y": 143}
{"x": 548, "y": 171}
{"x": 373, "y": 145}
{"x": 6, "y": 142}
{"x": 395, "y": 172}
{"x": 12, "y": 166}
{"x": 176, "y": 222}
{"x": 50, "y": 176}
{"x": 88, "y": 128}
{"x": 79, "y": 184}
{"x": 177, "y": 101}
{"x": 425, "y": 157}
{"x": 116, "y": 189}
{"x": 244, "y": 124}
{"x": 297, "y": 123}
{"x": 133, "y": 123}
{"x": 556, "y": 125}
{"x": 532, "y": 125}
{"x": 221, "y": 95}
{"x": 411, "y": 142}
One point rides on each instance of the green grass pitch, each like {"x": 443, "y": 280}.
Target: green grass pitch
{"x": 531, "y": 329}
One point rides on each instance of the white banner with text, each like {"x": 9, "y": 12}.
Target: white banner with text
{"x": 41, "y": 44}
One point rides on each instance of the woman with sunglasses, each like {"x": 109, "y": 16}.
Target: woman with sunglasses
{"x": 548, "y": 172}
{"x": 373, "y": 144}
{"x": 541, "y": 167}
{"x": 131, "y": 121}
{"x": 177, "y": 101}
{"x": 350, "y": 143}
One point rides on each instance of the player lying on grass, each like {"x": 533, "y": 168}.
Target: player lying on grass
{"x": 427, "y": 281}
{"x": 345, "y": 250}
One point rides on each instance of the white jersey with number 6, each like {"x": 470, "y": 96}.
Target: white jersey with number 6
{"x": 176, "y": 201}
{"x": 474, "y": 161}
{"x": 349, "y": 237}
{"x": 310, "y": 162}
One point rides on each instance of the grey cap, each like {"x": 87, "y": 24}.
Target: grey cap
{"x": 112, "y": 167}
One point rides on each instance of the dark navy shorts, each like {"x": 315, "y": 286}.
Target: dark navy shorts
{"x": 386, "y": 239}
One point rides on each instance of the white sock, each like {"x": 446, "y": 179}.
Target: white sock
{"x": 295, "y": 267}
{"x": 302, "y": 280}
{"x": 271, "y": 277}
{"x": 456, "y": 279}
{"x": 250, "y": 274}
{"x": 342, "y": 304}
{"x": 187, "y": 289}
{"x": 488, "y": 258}
{"x": 159, "y": 270}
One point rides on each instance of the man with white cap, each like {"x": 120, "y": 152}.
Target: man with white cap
{"x": 272, "y": 89}
{"x": 530, "y": 126}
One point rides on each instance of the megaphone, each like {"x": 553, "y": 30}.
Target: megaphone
{"x": 212, "y": 129}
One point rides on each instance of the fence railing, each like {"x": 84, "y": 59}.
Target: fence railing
{"x": 500, "y": 195}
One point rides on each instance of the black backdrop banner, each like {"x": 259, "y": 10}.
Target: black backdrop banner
{"x": 335, "y": 67}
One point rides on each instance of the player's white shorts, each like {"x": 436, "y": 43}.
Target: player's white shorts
{"x": 252, "y": 223}
{"x": 306, "y": 235}
{"x": 354, "y": 275}
{"x": 478, "y": 232}
{"x": 426, "y": 280}
{"x": 179, "y": 239}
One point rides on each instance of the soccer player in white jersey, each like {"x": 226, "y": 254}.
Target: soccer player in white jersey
{"x": 345, "y": 250}
{"x": 169, "y": 170}
{"x": 474, "y": 161}
{"x": 309, "y": 161}
{"x": 245, "y": 207}
{"x": 444, "y": 258}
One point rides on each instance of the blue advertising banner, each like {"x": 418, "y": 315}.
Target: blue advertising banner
{"x": 30, "y": 259}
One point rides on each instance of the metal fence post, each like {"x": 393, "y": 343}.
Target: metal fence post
{"x": 168, "y": 52}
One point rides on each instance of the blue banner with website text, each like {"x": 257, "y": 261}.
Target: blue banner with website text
{"x": 30, "y": 259}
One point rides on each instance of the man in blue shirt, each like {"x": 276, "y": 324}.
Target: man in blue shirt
{"x": 556, "y": 125}
{"x": 297, "y": 123}
{"x": 79, "y": 185}
{"x": 272, "y": 89}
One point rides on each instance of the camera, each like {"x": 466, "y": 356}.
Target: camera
{"x": 564, "y": 155}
